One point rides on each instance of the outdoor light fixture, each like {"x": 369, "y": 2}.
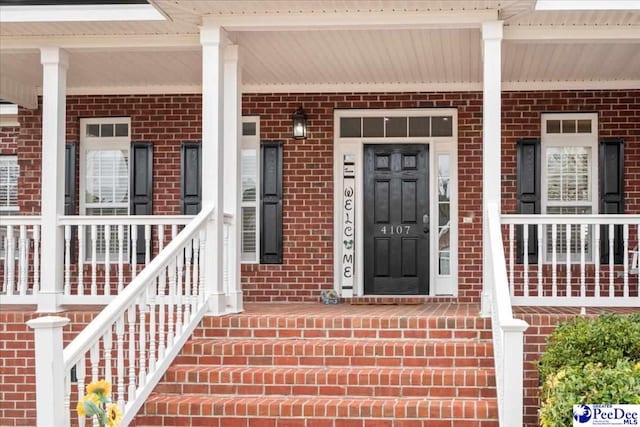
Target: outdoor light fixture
{"x": 299, "y": 120}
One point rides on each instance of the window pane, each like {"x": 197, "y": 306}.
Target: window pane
{"x": 442, "y": 126}
{"x": 584, "y": 126}
{"x": 248, "y": 233}
{"x": 107, "y": 176}
{"x": 396, "y": 126}
{"x": 122, "y": 129}
{"x": 350, "y": 127}
{"x": 568, "y": 126}
{"x": 553, "y": 126}
{"x": 248, "y": 128}
{"x": 93, "y": 130}
{"x": 106, "y": 130}
{"x": 373, "y": 127}
{"x": 419, "y": 126}
{"x": 249, "y": 173}
{"x": 444, "y": 264}
{"x": 9, "y": 172}
{"x": 569, "y": 174}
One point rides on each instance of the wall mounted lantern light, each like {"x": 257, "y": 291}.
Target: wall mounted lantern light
{"x": 299, "y": 121}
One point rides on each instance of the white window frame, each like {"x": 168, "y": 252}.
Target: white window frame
{"x": 251, "y": 142}
{"x": 564, "y": 140}
{"x": 10, "y": 209}
{"x": 103, "y": 143}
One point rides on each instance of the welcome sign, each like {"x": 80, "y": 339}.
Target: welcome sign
{"x": 348, "y": 225}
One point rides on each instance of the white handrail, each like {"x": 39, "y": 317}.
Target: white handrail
{"x": 507, "y": 331}
{"x": 548, "y": 219}
{"x": 126, "y": 220}
{"x": 20, "y": 220}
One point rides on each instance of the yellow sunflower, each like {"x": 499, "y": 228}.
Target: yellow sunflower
{"x": 114, "y": 415}
{"x": 88, "y": 405}
{"x": 101, "y": 387}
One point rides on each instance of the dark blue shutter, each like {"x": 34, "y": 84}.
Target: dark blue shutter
{"x": 190, "y": 178}
{"x": 141, "y": 188}
{"x": 70, "y": 189}
{"x": 611, "y": 194}
{"x": 271, "y": 202}
{"x": 528, "y": 193}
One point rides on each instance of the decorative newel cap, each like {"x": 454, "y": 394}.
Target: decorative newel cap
{"x": 48, "y": 322}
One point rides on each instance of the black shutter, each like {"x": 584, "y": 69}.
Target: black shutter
{"x": 70, "y": 189}
{"x": 271, "y": 202}
{"x": 528, "y": 193}
{"x": 141, "y": 188}
{"x": 190, "y": 178}
{"x": 611, "y": 194}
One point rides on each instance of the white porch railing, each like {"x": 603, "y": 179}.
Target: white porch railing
{"x": 507, "y": 331}
{"x": 134, "y": 339}
{"x": 19, "y": 256}
{"x": 554, "y": 279}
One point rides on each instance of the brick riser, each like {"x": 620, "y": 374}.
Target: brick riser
{"x": 330, "y": 369}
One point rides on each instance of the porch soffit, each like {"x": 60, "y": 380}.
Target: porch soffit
{"x": 164, "y": 57}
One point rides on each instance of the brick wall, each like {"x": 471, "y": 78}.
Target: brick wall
{"x": 167, "y": 121}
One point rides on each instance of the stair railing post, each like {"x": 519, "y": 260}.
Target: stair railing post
{"x": 513, "y": 372}
{"x": 50, "y": 375}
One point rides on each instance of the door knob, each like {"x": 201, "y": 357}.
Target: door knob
{"x": 425, "y": 223}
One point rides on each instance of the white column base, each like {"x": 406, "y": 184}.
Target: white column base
{"x": 217, "y": 303}
{"x": 235, "y": 302}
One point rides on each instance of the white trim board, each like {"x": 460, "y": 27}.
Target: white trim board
{"x": 438, "y": 285}
{"x": 82, "y": 13}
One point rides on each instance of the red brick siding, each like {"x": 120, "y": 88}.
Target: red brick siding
{"x": 168, "y": 120}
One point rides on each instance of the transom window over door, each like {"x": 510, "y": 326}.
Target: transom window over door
{"x": 104, "y": 176}
{"x": 569, "y": 177}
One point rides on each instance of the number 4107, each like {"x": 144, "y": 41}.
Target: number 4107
{"x": 395, "y": 229}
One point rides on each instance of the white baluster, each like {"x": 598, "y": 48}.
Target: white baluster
{"x": 120, "y": 361}
{"x": 170, "y": 303}
{"x": 596, "y": 260}
{"x": 132, "y": 351}
{"x": 36, "y": 259}
{"x": 121, "y": 244}
{"x": 512, "y": 285}
{"x": 625, "y": 239}
{"x": 583, "y": 235}
{"x": 187, "y": 282}
{"x": 196, "y": 274}
{"x": 81, "y": 259}
{"x": 160, "y": 237}
{"x": 10, "y": 260}
{"x": 5, "y": 263}
{"x": 567, "y": 234}
{"x": 142, "y": 337}
{"x": 81, "y": 374}
{"x": 179, "y": 300}
{"x": 525, "y": 244}
{"x": 134, "y": 251}
{"x": 151, "y": 298}
{"x": 554, "y": 260}
{"x": 202, "y": 237}
{"x": 540, "y": 261}
{"x": 107, "y": 259}
{"x": 107, "y": 342}
{"x": 94, "y": 259}
{"x": 611, "y": 254}
{"x": 225, "y": 260}
{"x": 67, "y": 398}
{"x": 162, "y": 339}
{"x": 23, "y": 261}
{"x": 94, "y": 361}
{"x": 67, "y": 260}
{"x": 147, "y": 244}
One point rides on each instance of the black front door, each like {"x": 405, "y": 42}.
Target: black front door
{"x": 396, "y": 219}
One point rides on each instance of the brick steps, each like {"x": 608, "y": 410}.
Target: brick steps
{"x": 291, "y": 365}
{"x": 327, "y": 352}
{"x": 294, "y": 411}
{"x": 319, "y": 381}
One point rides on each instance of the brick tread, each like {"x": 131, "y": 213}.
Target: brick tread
{"x": 314, "y": 381}
{"x": 318, "y": 407}
{"x": 327, "y": 352}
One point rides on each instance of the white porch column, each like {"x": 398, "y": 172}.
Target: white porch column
{"x": 491, "y": 138}
{"x": 212, "y": 166}
{"x": 55, "y": 62}
{"x": 232, "y": 139}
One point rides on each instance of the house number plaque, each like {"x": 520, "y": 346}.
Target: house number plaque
{"x": 348, "y": 225}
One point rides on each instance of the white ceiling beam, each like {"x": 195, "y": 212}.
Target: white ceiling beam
{"x": 101, "y": 42}
{"x": 559, "y": 5}
{"x": 80, "y": 13}
{"x": 18, "y": 93}
{"x": 351, "y": 20}
{"x": 578, "y": 33}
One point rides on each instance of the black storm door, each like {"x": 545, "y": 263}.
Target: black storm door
{"x": 396, "y": 219}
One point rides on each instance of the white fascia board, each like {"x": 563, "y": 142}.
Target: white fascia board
{"x": 77, "y": 13}
{"x": 103, "y": 42}
{"x": 352, "y": 20}
{"x": 621, "y": 33}
{"x": 560, "y": 5}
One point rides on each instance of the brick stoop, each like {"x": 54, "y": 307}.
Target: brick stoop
{"x": 308, "y": 365}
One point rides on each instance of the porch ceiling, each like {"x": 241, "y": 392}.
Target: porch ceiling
{"x": 156, "y": 57}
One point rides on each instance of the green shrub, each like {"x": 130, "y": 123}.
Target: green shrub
{"x": 590, "y": 384}
{"x": 604, "y": 340}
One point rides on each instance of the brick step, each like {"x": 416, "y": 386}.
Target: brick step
{"x": 313, "y": 381}
{"x": 213, "y": 411}
{"x": 327, "y": 352}
{"x": 339, "y": 325}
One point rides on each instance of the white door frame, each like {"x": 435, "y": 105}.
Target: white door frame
{"x": 353, "y": 148}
